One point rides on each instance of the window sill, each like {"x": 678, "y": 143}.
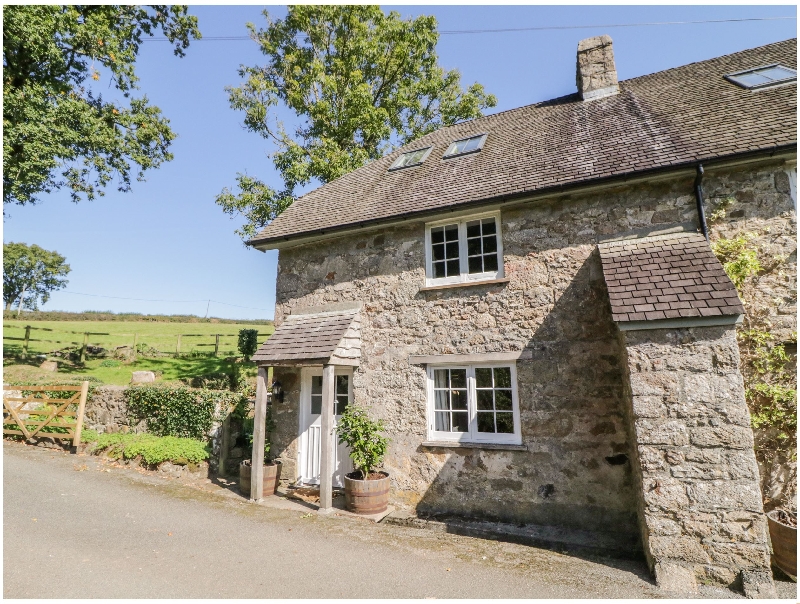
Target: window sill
{"x": 473, "y": 445}
{"x": 465, "y": 284}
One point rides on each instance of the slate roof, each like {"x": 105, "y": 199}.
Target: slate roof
{"x": 312, "y": 337}
{"x": 667, "y": 277}
{"x": 671, "y": 118}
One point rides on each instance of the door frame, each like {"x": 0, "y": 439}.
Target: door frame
{"x": 306, "y": 374}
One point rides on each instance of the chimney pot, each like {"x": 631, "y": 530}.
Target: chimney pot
{"x": 596, "y": 74}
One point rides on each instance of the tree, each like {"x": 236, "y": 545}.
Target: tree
{"x": 30, "y": 273}
{"x": 361, "y": 82}
{"x": 248, "y": 342}
{"x": 57, "y": 131}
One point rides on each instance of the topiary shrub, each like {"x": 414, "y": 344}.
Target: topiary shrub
{"x": 248, "y": 342}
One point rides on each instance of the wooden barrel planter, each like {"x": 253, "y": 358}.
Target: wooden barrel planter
{"x": 366, "y": 496}
{"x": 784, "y": 542}
{"x": 272, "y": 475}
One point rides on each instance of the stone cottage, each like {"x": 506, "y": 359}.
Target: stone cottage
{"x": 530, "y": 303}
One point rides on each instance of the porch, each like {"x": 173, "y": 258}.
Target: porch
{"x": 323, "y": 343}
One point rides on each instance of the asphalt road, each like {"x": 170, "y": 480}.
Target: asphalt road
{"x": 74, "y": 527}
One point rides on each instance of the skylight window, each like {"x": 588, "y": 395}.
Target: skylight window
{"x": 465, "y": 145}
{"x": 411, "y": 158}
{"x": 761, "y": 77}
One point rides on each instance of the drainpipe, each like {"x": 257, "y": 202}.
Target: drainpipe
{"x": 698, "y": 193}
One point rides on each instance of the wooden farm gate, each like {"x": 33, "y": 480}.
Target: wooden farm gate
{"x": 30, "y": 415}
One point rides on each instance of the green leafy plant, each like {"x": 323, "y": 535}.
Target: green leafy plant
{"x": 739, "y": 257}
{"x": 362, "y": 436}
{"x": 177, "y": 411}
{"x": 248, "y": 342}
{"x": 249, "y": 428}
{"x": 152, "y": 449}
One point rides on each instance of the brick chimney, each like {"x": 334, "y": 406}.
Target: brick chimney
{"x": 596, "y": 74}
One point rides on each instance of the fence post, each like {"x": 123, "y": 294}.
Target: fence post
{"x": 224, "y": 445}
{"x": 178, "y": 347}
{"x": 25, "y": 343}
{"x": 83, "y": 348}
{"x": 216, "y": 346}
{"x": 135, "y": 341}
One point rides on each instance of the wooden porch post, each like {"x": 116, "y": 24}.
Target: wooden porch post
{"x": 259, "y": 436}
{"x": 326, "y": 441}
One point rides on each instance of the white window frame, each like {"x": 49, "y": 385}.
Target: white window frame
{"x": 473, "y": 436}
{"x": 733, "y": 77}
{"x": 463, "y": 276}
{"x": 399, "y": 158}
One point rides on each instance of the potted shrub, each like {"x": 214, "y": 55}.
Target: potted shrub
{"x": 365, "y": 490}
{"x": 272, "y": 467}
{"x": 783, "y": 534}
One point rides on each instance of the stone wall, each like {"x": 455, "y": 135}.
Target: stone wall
{"x": 575, "y": 472}
{"x": 107, "y": 412}
{"x": 701, "y": 513}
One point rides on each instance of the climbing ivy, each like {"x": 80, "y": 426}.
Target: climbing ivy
{"x": 178, "y": 411}
{"x": 770, "y": 378}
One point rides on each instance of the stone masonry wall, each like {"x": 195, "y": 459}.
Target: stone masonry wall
{"x": 575, "y": 472}
{"x": 701, "y": 511}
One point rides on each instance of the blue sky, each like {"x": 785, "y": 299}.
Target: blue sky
{"x": 167, "y": 240}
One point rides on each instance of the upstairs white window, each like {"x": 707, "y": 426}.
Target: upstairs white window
{"x": 465, "y": 250}
{"x": 762, "y": 77}
{"x": 472, "y": 144}
{"x": 474, "y": 403}
{"x": 411, "y": 158}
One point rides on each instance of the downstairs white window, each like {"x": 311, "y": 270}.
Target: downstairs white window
{"x": 473, "y": 403}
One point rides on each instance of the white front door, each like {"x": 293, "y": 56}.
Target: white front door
{"x": 311, "y": 424}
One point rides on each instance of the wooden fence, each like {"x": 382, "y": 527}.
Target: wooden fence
{"x": 32, "y": 415}
{"x": 85, "y": 343}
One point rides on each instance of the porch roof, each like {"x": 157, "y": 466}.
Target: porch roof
{"x": 667, "y": 277}
{"x": 314, "y": 339}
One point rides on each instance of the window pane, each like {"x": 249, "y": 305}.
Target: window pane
{"x": 777, "y": 73}
{"x": 475, "y": 265}
{"x": 489, "y": 226}
{"x": 485, "y": 400}
{"x": 490, "y": 244}
{"x": 316, "y": 404}
{"x": 502, "y": 377}
{"x": 438, "y": 251}
{"x": 437, "y": 235}
{"x": 505, "y": 423}
{"x": 490, "y": 263}
{"x": 458, "y": 399}
{"x": 442, "y": 422}
{"x": 440, "y": 399}
{"x": 342, "y": 385}
{"x": 483, "y": 377}
{"x": 485, "y": 422}
{"x": 752, "y": 79}
{"x": 340, "y": 405}
{"x": 316, "y": 384}
{"x": 458, "y": 378}
{"x": 474, "y": 246}
{"x": 460, "y": 421}
{"x": 451, "y": 232}
{"x": 472, "y": 144}
{"x": 440, "y": 378}
{"x": 474, "y": 229}
{"x": 502, "y": 400}
{"x": 439, "y": 270}
{"x": 453, "y": 268}
{"x": 451, "y": 250}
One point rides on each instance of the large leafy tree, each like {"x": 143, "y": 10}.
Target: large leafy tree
{"x": 58, "y": 132}
{"x": 30, "y": 274}
{"x": 360, "y": 81}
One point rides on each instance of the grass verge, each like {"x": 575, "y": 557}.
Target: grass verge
{"x": 152, "y": 449}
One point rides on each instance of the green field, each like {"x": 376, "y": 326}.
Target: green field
{"x": 156, "y": 345}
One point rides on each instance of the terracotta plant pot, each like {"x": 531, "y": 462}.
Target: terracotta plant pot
{"x": 784, "y": 543}
{"x": 272, "y": 475}
{"x": 366, "y": 496}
